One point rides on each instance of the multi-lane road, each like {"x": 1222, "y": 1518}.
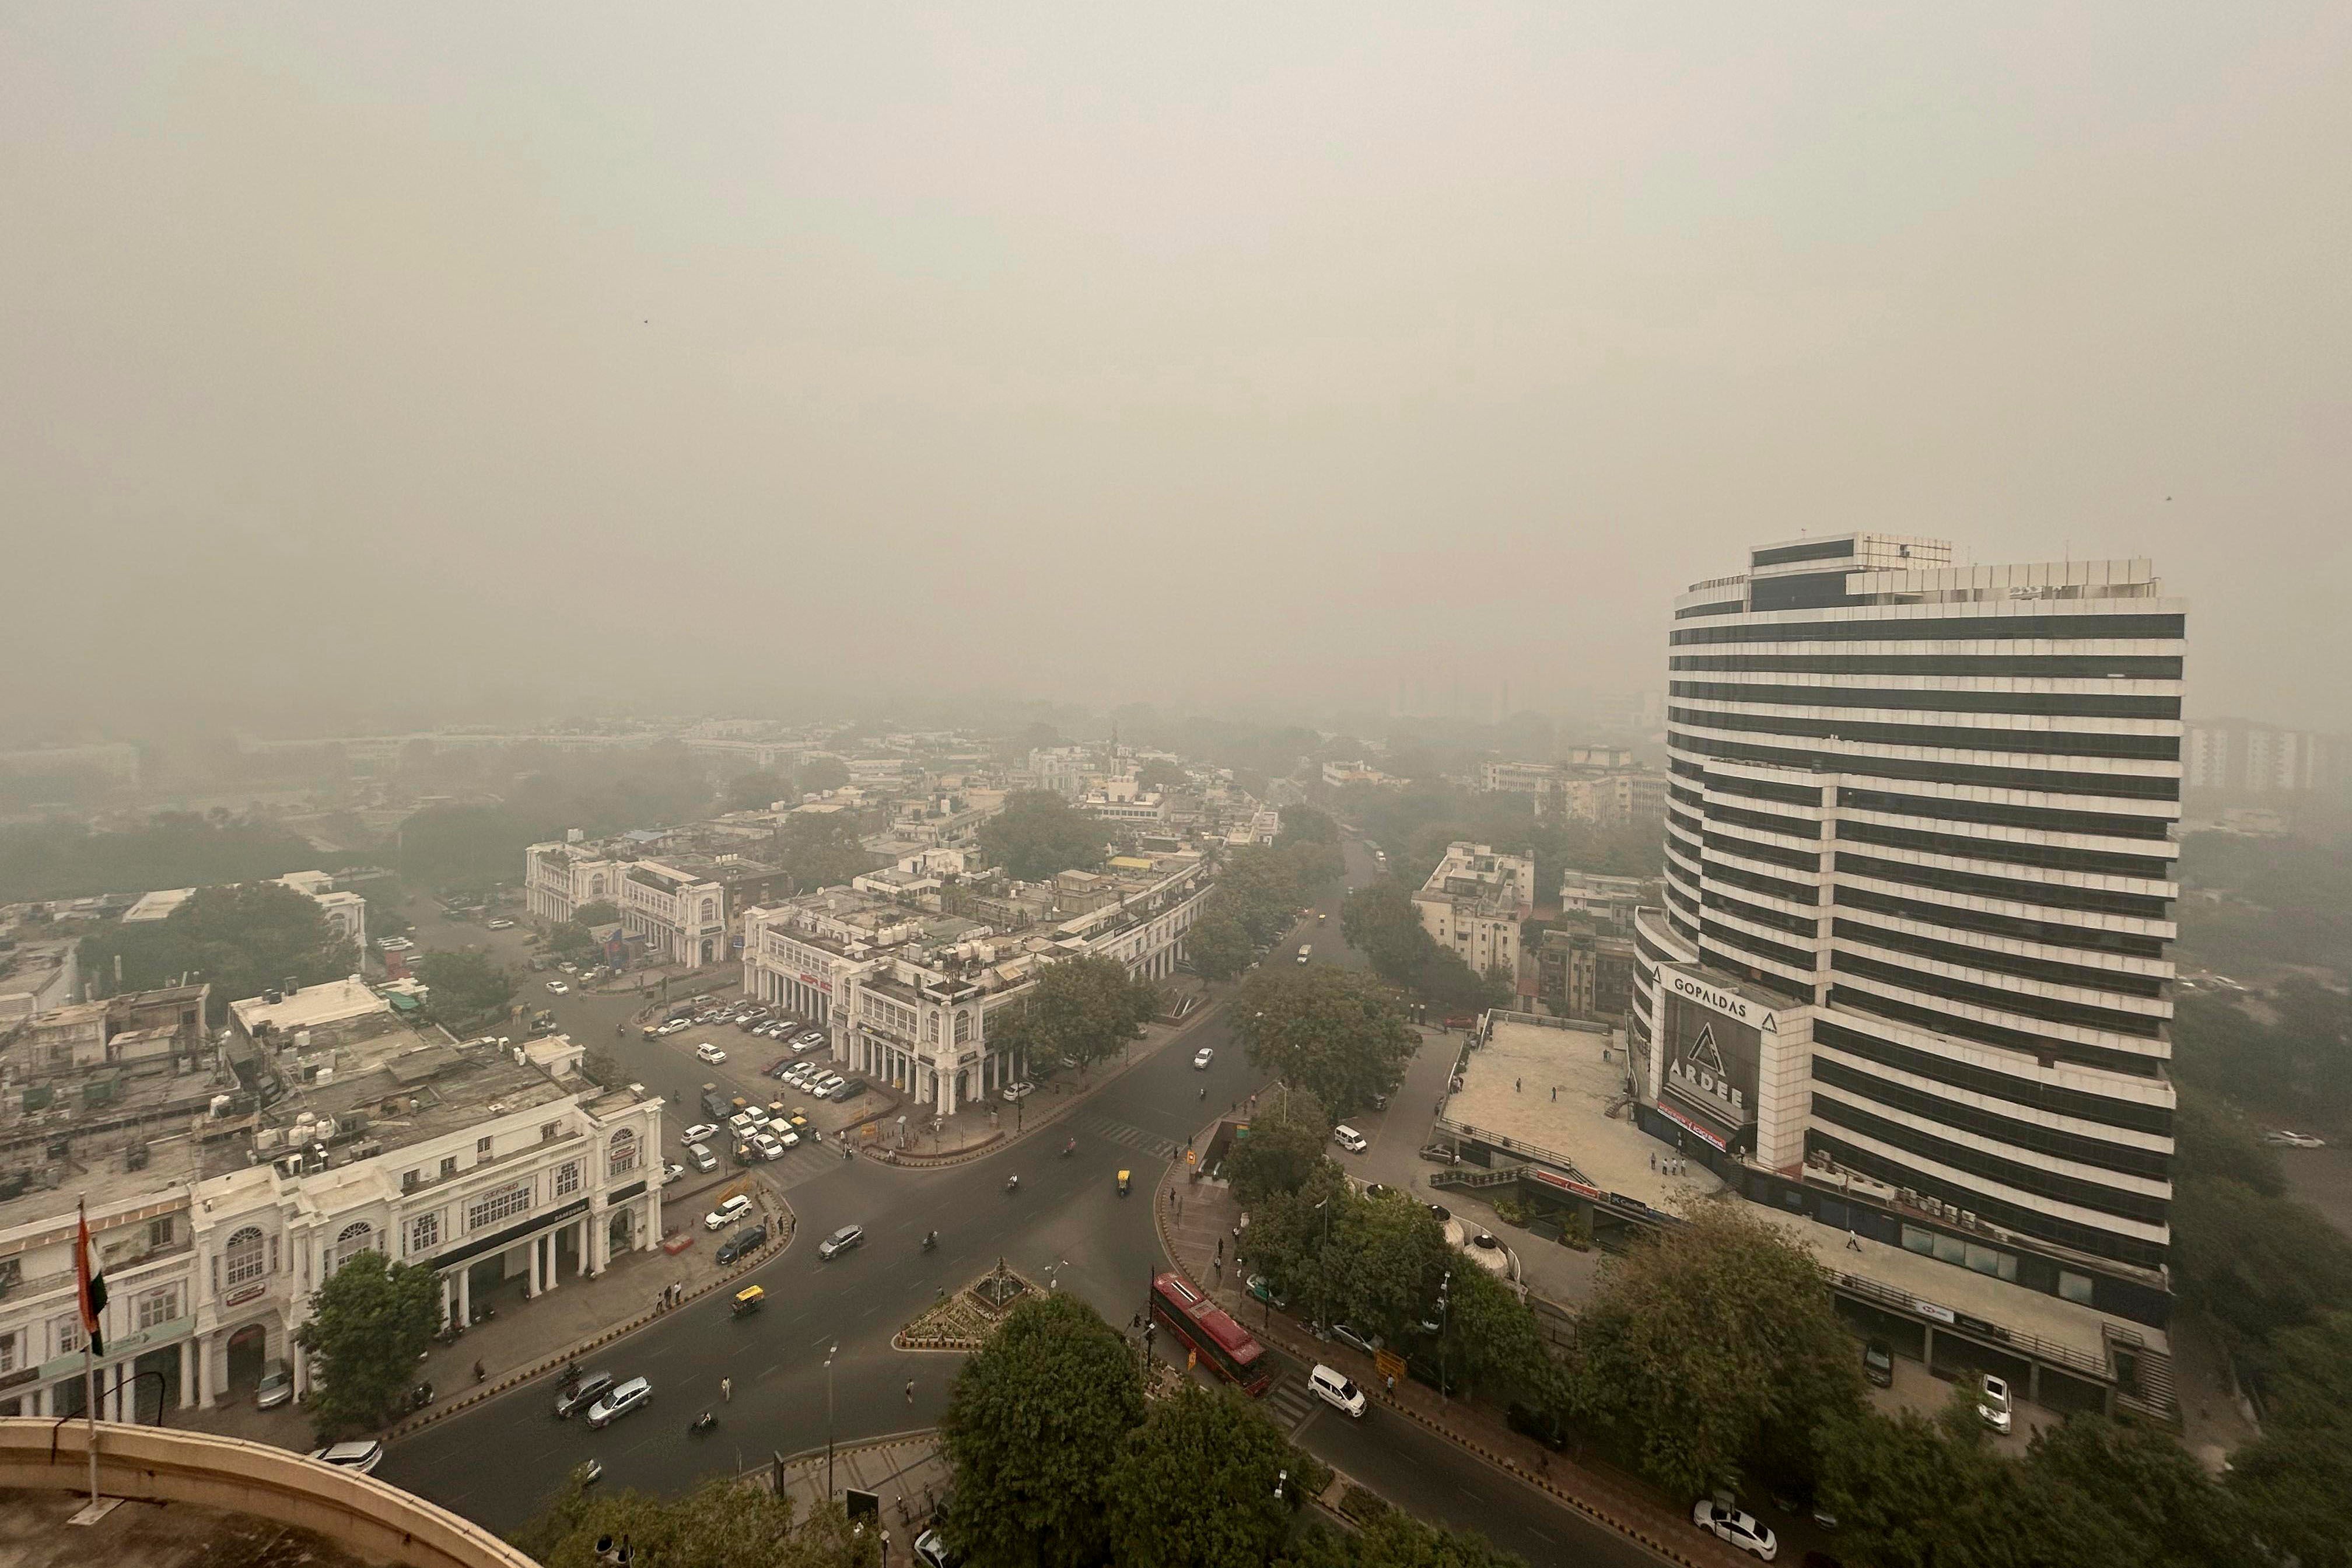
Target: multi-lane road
{"x": 498, "y": 1462}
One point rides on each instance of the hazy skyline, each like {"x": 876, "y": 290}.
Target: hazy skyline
{"x": 515, "y": 353}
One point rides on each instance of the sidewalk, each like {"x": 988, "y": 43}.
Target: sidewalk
{"x": 1193, "y": 1217}
{"x": 528, "y": 1338}
{"x": 908, "y": 1473}
{"x": 985, "y": 1126}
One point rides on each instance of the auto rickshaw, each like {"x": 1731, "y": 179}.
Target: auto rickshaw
{"x": 1124, "y": 1178}
{"x": 749, "y": 1299}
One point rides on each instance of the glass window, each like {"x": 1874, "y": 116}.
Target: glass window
{"x": 244, "y": 1255}
{"x": 1992, "y": 1261}
{"x": 622, "y": 1152}
{"x": 1916, "y": 1239}
{"x": 424, "y": 1233}
{"x": 2074, "y": 1286}
{"x": 158, "y": 1306}
{"x": 69, "y": 1337}
{"x": 493, "y": 1206}
{"x": 355, "y": 1238}
{"x": 7, "y": 1353}
{"x": 567, "y": 1179}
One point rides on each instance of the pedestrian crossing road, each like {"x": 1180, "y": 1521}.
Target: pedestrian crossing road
{"x": 1126, "y": 1135}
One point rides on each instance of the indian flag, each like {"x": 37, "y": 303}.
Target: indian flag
{"x": 90, "y": 1280}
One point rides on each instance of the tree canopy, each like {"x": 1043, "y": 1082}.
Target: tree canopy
{"x": 1029, "y": 1424}
{"x": 466, "y": 987}
{"x": 1379, "y": 921}
{"x": 242, "y": 939}
{"x": 1037, "y": 835}
{"x": 1329, "y": 1031}
{"x": 1161, "y": 774}
{"x": 171, "y": 849}
{"x": 1290, "y": 1136}
{"x": 723, "y": 1524}
{"x": 1193, "y": 1485}
{"x": 821, "y": 850}
{"x": 1081, "y": 1011}
{"x": 369, "y": 1323}
{"x": 1712, "y": 1344}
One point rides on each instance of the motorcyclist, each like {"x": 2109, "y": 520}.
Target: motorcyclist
{"x": 931, "y": 1239}
{"x": 1012, "y": 1184}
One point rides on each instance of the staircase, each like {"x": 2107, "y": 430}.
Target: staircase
{"x": 2154, "y": 1397}
{"x": 1495, "y": 1178}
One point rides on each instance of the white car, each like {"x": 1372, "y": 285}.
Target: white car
{"x": 2285, "y": 1139}
{"x": 1203, "y": 1058}
{"x": 362, "y": 1457}
{"x": 812, "y": 1038}
{"x": 500, "y": 924}
{"x": 1019, "y": 1090}
{"x": 727, "y": 1212}
{"x": 700, "y": 1133}
{"x": 1993, "y": 1405}
{"x": 1744, "y": 1530}
{"x": 674, "y": 1027}
{"x": 767, "y": 1147}
{"x": 710, "y": 1054}
{"x": 559, "y": 988}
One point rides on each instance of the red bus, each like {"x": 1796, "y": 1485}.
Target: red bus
{"x": 1209, "y": 1329}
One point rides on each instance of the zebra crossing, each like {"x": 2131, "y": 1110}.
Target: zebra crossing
{"x": 1287, "y": 1401}
{"x": 1126, "y": 1135}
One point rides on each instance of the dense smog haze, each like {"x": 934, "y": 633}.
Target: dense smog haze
{"x": 447, "y": 363}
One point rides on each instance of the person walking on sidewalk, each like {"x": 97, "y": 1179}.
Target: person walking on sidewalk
{"x": 726, "y": 1390}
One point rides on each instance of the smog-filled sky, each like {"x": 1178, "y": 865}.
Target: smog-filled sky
{"x": 707, "y": 356}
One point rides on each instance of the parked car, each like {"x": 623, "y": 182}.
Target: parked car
{"x": 931, "y": 1551}
{"x": 1348, "y": 1138}
{"x": 700, "y": 1133}
{"x": 727, "y": 1212}
{"x": 1992, "y": 1403}
{"x": 277, "y": 1386}
{"x": 559, "y": 988}
{"x": 813, "y": 1037}
{"x": 742, "y": 1244}
{"x": 672, "y": 1171}
{"x": 702, "y": 1158}
{"x": 629, "y": 1396}
{"x": 1263, "y": 1289}
{"x": 1744, "y": 1530}
{"x": 592, "y": 1387}
{"x": 676, "y": 1026}
{"x": 1369, "y": 1344}
{"x": 364, "y": 1456}
{"x": 766, "y": 1146}
{"x": 1012, "y": 1091}
{"x": 840, "y": 1241}
{"x": 1878, "y": 1364}
{"x": 709, "y": 1053}
{"x": 501, "y": 924}
{"x": 1204, "y": 1057}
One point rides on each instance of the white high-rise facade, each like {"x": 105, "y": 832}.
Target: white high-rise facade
{"x": 1921, "y": 839}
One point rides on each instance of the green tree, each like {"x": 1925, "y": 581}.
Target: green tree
{"x": 1080, "y": 1012}
{"x": 819, "y": 774}
{"x": 1290, "y": 1136}
{"x": 1710, "y": 1344}
{"x": 171, "y": 849}
{"x": 820, "y": 849}
{"x": 1379, "y": 921}
{"x": 1329, "y": 1031}
{"x": 1029, "y": 1422}
{"x": 1161, "y": 774}
{"x": 242, "y": 939}
{"x": 721, "y": 1524}
{"x": 1305, "y": 825}
{"x": 466, "y": 987}
{"x": 2258, "y": 1264}
{"x": 597, "y": 912}
{"x": 369, "y": 1323}
{"x": 1393, "y": 1540}
{"x": 754, "y": 791}
{"x": 573, "y": 943}
{"x": 1037, "y": 835}
{"x": 1493, "y": 1346}
{"x": 1218, "y": 945}
{"x": 2155, "y": 1499}
{"x": 1193, "y": 1487}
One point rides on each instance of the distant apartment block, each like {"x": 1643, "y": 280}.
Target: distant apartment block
{"x": 1473, "y": 903}
{"x": 1125, "y": 800}
{"x": 1337, "y": 774}
{"x": 1614, "y": 800}
{"x": 2238, "y": 756}
{"x": 681, "y": 906}
{"x": 1604, "y": 901}
{"x": 1062, "y": 769}
{"x": 1586, "y": 974}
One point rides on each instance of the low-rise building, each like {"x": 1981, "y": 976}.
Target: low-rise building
{"x": 1585, "y": 974}
{"x": 1473, "y": 903}
{"x": 679, "y": 905}
{"x": 1126, "y": 800}
{"x": 1605, "y": 899}
{"x": 907, "y": 995}
{"x": 1614, "y": 799}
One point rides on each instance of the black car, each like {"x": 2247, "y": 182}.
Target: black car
{"x": 742, "y": 1244}
{"x": 1878, "y": 1364}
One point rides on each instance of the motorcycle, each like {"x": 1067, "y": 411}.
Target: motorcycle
{"x": 930, "y": 1241}
{"x": 1012, "y": 1184}
{"x": 420, "y": 1397}
{"x": 701, "y": 1424}
{"x": 1069, "y": 1148}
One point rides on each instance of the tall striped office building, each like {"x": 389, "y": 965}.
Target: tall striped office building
{"x": 1920, "y": 864}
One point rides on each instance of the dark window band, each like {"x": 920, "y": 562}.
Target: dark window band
{"x": 2042, "y": 1182}
{"x": 1715, "y": 931}
{"x": 2047, "y": 819}
{"x": 1806, "y": 926}
{"x": 2045, "y": 666}
{"x": 1771, "y": 887}
{"x": 1797, "y": 991}
{"x": 1945, "y": 737}
{"x": 2047, "y": 780}
{"x": 2129, "y": 1159}
{"x": 2018, "y": 1218}
{"x": 2047, "y": 856}
{"x": 2051, "y": 895}
{"x": 2049, "y": 1009}
{"x": 1999, "y": 962}
{"x": 2039, "y": 704}
{"x": 1811, "y": 549}
{"x": 1762, "y": 789}
{"x": 1766, "y": 822}
{"x": 2049, "y": 932}
{"x": 2129, "y": 1114}
{"x": 2040, "y": 1048}
{"x": 1771, "y": 854}
{"x": 1949, "y": 629}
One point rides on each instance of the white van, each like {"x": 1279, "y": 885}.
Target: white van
{"x": 1306, "y": 951}
{"x": 700, "y": 1157}
{"x": 1333, "y": 1389}
{"x": 1348, "y": 1138}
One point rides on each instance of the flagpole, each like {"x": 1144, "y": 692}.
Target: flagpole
{"x": 88, "y": 1360}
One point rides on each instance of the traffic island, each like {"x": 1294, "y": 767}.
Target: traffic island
{"x": 966, "y": 1320}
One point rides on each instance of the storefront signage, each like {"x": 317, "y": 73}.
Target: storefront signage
{"x": 1929, "y": 1310}
{"x": 1725, "y": 1002}
{"x": 1554, "y": 1179}
{"x": 1688, "y": 1125}
{"x": 823, "y": 985}
{"x": 243, "y": 1293}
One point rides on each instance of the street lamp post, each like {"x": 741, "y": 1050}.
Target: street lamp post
{"x": 1444, "y": 1321}
{"x": 830, "y": 1351}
